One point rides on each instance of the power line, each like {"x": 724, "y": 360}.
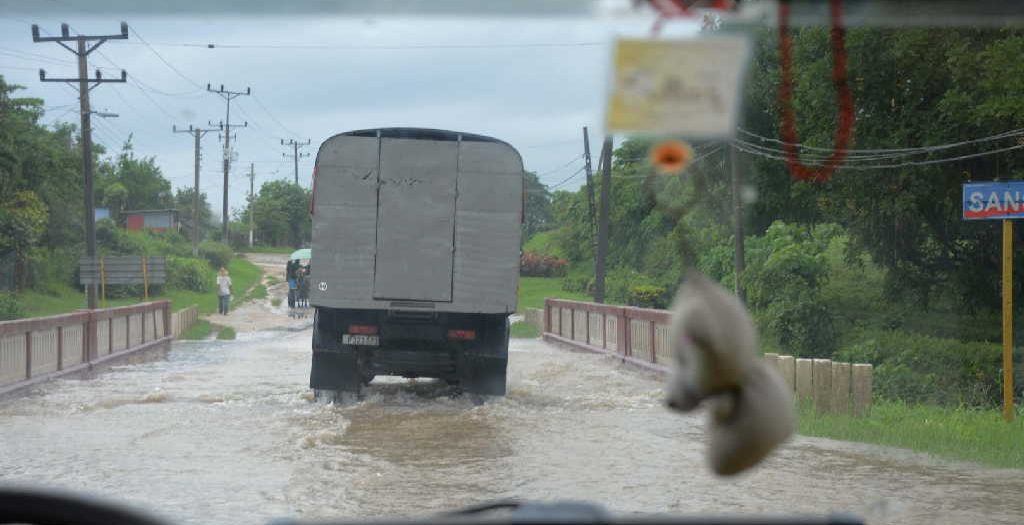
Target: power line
{"x": 272, "y": 117}
{"x": 135, "y": 85}
{"x": 890, "y": 166}
{"x": 883, "y": 151}
{"x": 162, "y": 59}
{"x": 567, "y": 179}
{"x": 560, "y": 168}
{"x": 693, "y": 162}
{"x": 366, "y": 47}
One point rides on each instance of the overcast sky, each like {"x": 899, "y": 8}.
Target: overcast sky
{"x": 498, "y": 77}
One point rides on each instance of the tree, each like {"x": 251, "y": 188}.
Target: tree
{"x": 40, "y": 185}
{"x": 183, "y": 199}
{"x": 908, "y": 219}
{"x": 538, "y": 206}
{"x": 135, "y": 183}
{"x": 281, "y": 214}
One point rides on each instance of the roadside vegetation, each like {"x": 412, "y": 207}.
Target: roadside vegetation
{"x": 874, "y": 266}
{"x": 41, "y": 227}
{"x": 953, "y": 433}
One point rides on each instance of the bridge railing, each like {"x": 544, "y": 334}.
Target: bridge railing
{"x": 183, "y": 319}
{"x": 640, "y": 336}
{"x": 40, "y": 348}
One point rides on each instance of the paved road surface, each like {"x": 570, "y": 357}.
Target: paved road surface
{"x": 226, "y": 433}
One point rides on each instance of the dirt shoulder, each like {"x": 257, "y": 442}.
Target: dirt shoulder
{"x": 261, "y": 314}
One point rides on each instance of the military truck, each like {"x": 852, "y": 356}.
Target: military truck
{"x": 415, "y": 265}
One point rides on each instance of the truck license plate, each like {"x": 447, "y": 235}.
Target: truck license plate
{"x": 362, "y": 340}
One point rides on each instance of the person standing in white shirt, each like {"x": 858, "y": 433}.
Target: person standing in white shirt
{"x": 223, "y": 291}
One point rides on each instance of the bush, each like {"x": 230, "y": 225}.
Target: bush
{"x": 215, "y": 253}
{"x": 921, "y": 369}
{"x": 10, "y": 308}
{"x": 50, "y": 270}
{"x": 188, "y": 273}
{"x": 578, "y": 283}
{"x": 785, "y": 272}
{"x": 535, "y": 265}
{"x": 647, "y": 296}
{"x": 113, "y": 240}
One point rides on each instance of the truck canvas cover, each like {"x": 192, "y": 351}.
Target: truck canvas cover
{"x": 413, "y": 218}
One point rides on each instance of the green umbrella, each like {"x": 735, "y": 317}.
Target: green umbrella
{"x": 300, "y": 254}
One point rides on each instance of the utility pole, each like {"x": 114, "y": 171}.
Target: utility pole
{"x": 590, "y": 184}
{"x": 739, "y": 261}
{"x": 197, "y": 134}
{"x": 252, "y": 200}
{"x": 226, "y": 126}
{"x": 602, "y": 222}
{"x": 82, "y": 51}
{"x": 295, "y": 154}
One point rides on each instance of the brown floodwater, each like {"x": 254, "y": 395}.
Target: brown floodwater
{"x": 227, "y": 433}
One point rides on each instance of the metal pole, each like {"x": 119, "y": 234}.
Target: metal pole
{"x": 295, "y": 157}
{"x": 90, "y": 205}
{"x": 602, "y": 224}
{"x": 1008, "y": 320}
{"x": 739, "y": 259}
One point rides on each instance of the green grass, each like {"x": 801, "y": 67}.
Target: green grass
{"x": 271, "y": 280}
{"x": 524, "y": 330}
{"x": 200, "y": 330}
{"x": 979, "y": 436}
{"x": 244, "y": 275}
{"x": 226, "y": 333}
{"x": 533, "y": 291}
{"x": 256, "y": 292}
{"x": 275, "y": 302}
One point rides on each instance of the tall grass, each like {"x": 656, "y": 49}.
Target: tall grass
{"x": 980, "y": 436}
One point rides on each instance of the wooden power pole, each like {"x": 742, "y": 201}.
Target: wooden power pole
{"x": 295, "y": 154}
{"x": 590, "y": 184}
{"x": 82, "y": 50}
{"x": 252, "y": 200}
{"x": 602, "y": 221}
{"x": 226, "y": 127}
{"x": 197, "y": 134}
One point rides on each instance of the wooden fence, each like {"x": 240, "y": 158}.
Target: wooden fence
{"x": 639, "y": 336}
{"x": 40, "y": 348}
{"x": 183, "y": 319}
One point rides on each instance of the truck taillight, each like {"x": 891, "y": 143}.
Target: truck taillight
{"x": 362, "y": 329}
{"x": 464, "y": 335}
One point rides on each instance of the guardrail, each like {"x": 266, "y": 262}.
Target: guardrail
{"x": 183, "y": 319}
{"x": 41, "y": 348}
{"x": 639, "y": 336}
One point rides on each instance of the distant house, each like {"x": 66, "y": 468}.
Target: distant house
{"x": 158, "y": 220}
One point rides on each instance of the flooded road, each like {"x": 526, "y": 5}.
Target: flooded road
{"x": 226, "y": 433}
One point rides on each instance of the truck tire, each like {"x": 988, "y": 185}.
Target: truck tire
{"x": 485, "y": 368}
{"x": 334, "y": 367}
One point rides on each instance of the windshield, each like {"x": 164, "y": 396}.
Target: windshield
{"x": 399, "y": 259}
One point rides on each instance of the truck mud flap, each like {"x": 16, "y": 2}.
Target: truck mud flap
{"x": 484, "y": 375}
{"x": 335, "y": 370}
